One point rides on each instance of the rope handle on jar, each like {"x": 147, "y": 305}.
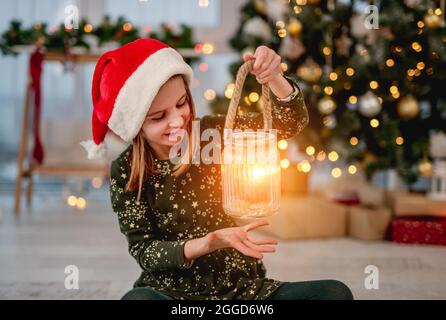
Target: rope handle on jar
{"x": 233, "y": 105}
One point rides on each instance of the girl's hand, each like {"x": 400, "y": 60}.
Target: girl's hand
{"x": 266, "y": 66}
{"x": 238, "y": 238}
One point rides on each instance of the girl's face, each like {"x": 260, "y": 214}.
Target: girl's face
{"x": 169, "y": 112}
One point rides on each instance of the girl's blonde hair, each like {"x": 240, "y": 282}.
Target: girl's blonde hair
{"x": 142, "y": 158}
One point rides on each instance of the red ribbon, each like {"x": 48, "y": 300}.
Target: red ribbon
{"x": 35, "y": 69}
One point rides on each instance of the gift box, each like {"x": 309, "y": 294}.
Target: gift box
{"x": 307, "y": 217}
{"x": 412, "y": 204}
{"x": 348, "y": 199}
{"x": 367, "y": 223}
{"x": 354, "y": 190}
{"x": 293, "y": 182}
{"x": 419, "y": 230}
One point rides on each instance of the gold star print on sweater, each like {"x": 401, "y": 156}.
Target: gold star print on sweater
{"x": 173, "y": 210}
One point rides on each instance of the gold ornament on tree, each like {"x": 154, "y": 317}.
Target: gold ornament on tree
{"x": 309, "y": 71}
{"x": 425, "y": 167}
{"x": 408, "y": 107}
{"x": 326, "y": 105}
{"x": 260, "y": 6}
{"x": 295, "y": 28}
{"x": 432, "y": 20}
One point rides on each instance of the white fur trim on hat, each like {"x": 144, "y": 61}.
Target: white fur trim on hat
{"x": 95, "y": 151}
{"x": 140, "y": 89}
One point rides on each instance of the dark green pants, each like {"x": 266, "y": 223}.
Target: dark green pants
{"x": 304, "y": 290}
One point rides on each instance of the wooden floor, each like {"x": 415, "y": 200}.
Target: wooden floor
{"x": 36, "y": 248}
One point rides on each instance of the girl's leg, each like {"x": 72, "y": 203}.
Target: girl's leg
{"x": 313, "y": 290}
{"x": 145, "y": 293}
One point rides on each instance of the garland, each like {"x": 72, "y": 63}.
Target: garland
{"x": 89, "y": 38}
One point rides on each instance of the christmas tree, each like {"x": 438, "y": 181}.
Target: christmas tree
{"x": 373, "y": 75}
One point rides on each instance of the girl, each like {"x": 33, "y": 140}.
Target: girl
{"x": 171, "y": 214}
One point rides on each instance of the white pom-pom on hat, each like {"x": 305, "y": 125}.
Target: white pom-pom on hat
{"x": 95, "y": 151}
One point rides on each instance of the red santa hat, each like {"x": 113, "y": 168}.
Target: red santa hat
{"x": 125, "y": 83}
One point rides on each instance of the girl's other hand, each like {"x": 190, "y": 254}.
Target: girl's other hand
{"x": 238, "y": 238}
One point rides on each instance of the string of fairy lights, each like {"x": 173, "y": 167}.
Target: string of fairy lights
{"x": 79, "y": 202}
{"x": 201, "y": 48}
{"x": 305, "y": 165}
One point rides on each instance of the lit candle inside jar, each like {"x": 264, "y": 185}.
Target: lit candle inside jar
{"x": 251, "y": 179}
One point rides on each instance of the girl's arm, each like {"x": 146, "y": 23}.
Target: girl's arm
{"x": 280, "y": 87}
{"x": 289, "y": 113}
{"x": 288, "y": 117}
{"x": 149, "y": 251}
{"x": 268, "y": 70}
{"x": 236, "y": 237}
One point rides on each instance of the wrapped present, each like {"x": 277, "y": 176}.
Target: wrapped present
{"x": 307, "y": 217}
{"x": 419, "y": 230}
{"x": 370, "y": 195}
{"x": 354, "y": 190}
{"x": 293, "y": 181}
{"x": 346, "y": 198}
{"x": 367, "y": 223}
{"x": 412, "y": 204}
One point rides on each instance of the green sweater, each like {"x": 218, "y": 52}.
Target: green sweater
{"x": 175, "y": 209}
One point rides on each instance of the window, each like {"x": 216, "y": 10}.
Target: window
{"x": 155, "y": 12}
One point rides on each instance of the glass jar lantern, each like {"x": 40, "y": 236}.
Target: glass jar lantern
{"x": 250, "y": 167}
